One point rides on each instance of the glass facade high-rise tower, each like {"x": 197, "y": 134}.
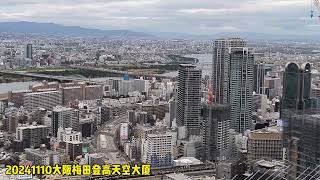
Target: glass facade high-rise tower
{"x": 301, "y": 121}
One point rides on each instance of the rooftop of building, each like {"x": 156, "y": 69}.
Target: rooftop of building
{"x": 188, "y": 161}
{"x": 30, "y": 126}
{"x": 61, "y": 108}
{"x": 71, "y": 87}
{"x": 179, "y": 176}
{"x": 269, "y": 133}
{"x": 41, "y": 152}
{"x": 160, "y": 134}
{"x": 43, "y": 92}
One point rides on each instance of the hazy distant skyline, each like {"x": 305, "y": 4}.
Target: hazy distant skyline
{"x": 187, "y": 16}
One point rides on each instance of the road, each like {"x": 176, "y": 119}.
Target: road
{"x": 109, "y": 130}
{"x": 59, "y": 78}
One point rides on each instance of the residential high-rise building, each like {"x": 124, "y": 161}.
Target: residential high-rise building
{"x": 189, "y": 98}
{"x": 258, "y": 82}
{"x": 141, "y": 85}
{"x": 42, "y": 156}
{"x": 216, "y": 126}
{"x": 46, "y": 100}
{"x": 232, "y": 79}
{"x": 71, "y": 141}
{"x": 241, "y": 87}
{"x": 221, "y": 67}
{"x": 63, "y": 117}
{"x": 157, "y": 150}
{"x": 32, "y": 135}
{"x": 301, "y": 122}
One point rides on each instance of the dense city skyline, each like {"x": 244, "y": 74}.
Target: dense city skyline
{"x": 91, "y": 89}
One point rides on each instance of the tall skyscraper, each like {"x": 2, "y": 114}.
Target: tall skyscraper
{"x": 241, "y": 87}
{"x": 189, "y": 98}
{"x": 221, "y": 67}
{"x": 216, "y": 126}
{"x": 232, "y": 79}
{"x": 258, "y": 82}
{"x": 29, "y": 51}
{"x": 296, "y": 93}
{"x": 301, "y": 123}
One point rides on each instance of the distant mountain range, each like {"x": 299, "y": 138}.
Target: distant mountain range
{"x": 56, "y": 29}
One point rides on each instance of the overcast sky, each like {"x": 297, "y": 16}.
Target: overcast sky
{"x": 188, "y": 16}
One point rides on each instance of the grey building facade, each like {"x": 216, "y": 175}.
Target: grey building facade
{"x": 216, "y": 126}
{"x": 241, "y": 88}
{"x": 189, "y": 98}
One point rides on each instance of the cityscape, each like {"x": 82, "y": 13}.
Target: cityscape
{"x": 85, "y": 102}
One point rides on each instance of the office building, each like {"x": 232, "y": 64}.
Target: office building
{"x": 63, "y": 117}
{"x": 216, "y": 126}
{"x": 189, "y": 98}
{"x": 46, "y": 100}
{"x": 296, "y": 88}
{"x": 301, "y": 122}
{"x": 265, "y": 143}
{"x": 273, "y": 86}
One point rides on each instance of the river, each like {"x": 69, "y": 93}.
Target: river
{"x": 16, "y": 86}
{"x": 204, "y": 63}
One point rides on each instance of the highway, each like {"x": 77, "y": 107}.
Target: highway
{"x": 44, "y": 76}
{"x": 132, "y": 74}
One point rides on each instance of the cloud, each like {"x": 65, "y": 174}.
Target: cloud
{"x": 190, "y": 16}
